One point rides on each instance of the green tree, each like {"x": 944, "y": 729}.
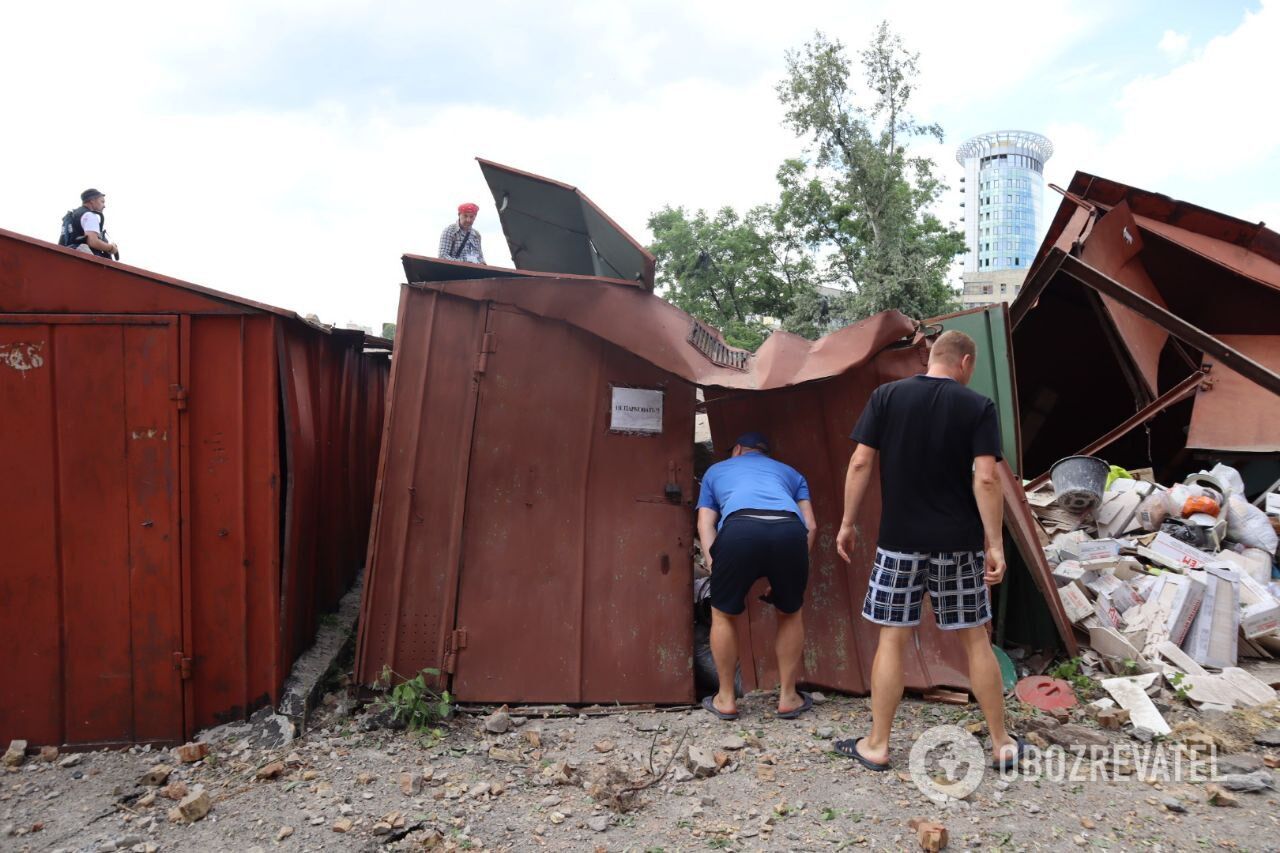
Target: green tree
{"x": 859, "y": 196}
{"x": 850, "y": 234}
{"x": 735, "y": 272}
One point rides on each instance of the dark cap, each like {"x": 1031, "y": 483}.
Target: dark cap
{"x": 754, "y": 440}
{"x": 90, "y": 194}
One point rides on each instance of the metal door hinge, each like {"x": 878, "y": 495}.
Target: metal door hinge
{"x": 456, "y": 642}
{"x": 487, "y": 345}
{"x": 182, "y": 664}
{"x": 178, "y": 394}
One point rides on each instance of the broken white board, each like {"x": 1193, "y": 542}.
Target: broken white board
{"x": 1131, "y": 694}
{"x": 1180, "y": 659}
{"x": 1251, "y": 690}
{"x": 1212, "y": 640}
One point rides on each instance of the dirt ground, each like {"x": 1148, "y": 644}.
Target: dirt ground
{"x": 778, "y": 786}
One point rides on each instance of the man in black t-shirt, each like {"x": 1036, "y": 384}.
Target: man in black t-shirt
{"x": 937, "y": 443}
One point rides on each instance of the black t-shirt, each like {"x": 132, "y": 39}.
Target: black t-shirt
{"x": 928, "y": 431}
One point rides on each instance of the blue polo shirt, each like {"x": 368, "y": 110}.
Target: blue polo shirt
{"x": 752, "y": 481}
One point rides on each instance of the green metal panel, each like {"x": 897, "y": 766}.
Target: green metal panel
{"x": 994, "y": 375}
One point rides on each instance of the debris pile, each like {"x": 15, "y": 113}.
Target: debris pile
{"x": 1166, "y": 582}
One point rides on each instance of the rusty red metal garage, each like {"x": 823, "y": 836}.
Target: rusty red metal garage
{"x": 187, "y": 481}
{"x": 533, "y": 552}
{"x": 1149, "y": 331}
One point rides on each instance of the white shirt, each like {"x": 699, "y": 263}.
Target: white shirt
{"x": 91, "y": 222}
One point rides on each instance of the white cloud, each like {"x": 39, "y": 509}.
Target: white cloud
{"x": 1174, "y": 45}
{"x": 309, "y": 205}
{"x": 1197, "y": 131}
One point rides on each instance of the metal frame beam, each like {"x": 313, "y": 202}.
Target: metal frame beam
{"x": 1173, "y": 324}
{"x": 1034, "y": 285}
{"x": 1176, "y": 394}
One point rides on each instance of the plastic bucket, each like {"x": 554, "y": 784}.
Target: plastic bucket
{"x": 1079, "y": 481}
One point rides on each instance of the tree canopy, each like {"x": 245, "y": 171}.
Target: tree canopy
{"x": 851, "y": 232}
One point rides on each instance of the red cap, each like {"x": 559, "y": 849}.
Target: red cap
{"x": 468, "y": 207}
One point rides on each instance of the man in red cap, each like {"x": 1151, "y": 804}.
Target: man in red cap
{"x": 461, "y": 242}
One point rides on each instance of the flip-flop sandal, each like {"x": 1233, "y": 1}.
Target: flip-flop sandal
{"x": 849, "y": 748}
{"x": 805, "y": 705}
{"x": 1010, "y": 763}
{"x": 709, "y": 702}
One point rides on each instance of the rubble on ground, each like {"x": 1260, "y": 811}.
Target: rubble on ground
{"x": 1171, "y": 586}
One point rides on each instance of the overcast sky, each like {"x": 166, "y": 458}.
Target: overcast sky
{"x": 290, "y": 152}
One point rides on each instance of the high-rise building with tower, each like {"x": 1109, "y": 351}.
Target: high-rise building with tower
{"x": 1003, "y": 186}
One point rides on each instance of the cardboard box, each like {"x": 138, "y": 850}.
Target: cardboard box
{"x": 1125, "y": 568}
{"x": 1259, "y": 619}
{"x": 1144, "y": 585}
{"x": 1118, "y": 513}
{"x": 1116, "y": 592}
{"x": 1107, "y": 615}
{"x": 1185, "y": 597}
{"x": 1215, "y": 632}
{"x": 1273, "y": 503}
{"x": 1093, "y": 549}
{"x": 1173, "y": 554}
{"x": 1252, "y": 592}
{"x": 1068, "y": 571}
{"x": 1075, "y": 602}
{"x": 1254, "y": 562}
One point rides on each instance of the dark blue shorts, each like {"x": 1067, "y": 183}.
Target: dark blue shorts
{"x": 747, "y": 549}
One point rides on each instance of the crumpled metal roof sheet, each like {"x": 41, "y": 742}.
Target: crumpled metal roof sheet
{"x": 1087, "y": 362}
{"x": 553, "y": 227}
{"x": 493, "y": 375}
{"x": 661, "y": 333}
{"x": 532, "y": 553}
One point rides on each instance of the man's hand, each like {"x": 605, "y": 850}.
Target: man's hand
{"x": 706, "y": 559}
{"x": 845, "y": 541}
{"x": 995, "y": 566}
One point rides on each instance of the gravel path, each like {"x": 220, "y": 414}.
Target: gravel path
{"x": 773, "y": 785}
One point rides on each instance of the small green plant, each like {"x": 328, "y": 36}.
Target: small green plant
{"x": 829, "y": 813}
{"x": 1180, "y": 688}
{"x": 719, "y": 844}
{"x": 411, "y": 701}
{"x": 1072, "y": 671}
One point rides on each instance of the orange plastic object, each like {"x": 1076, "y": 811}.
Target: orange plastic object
{"x": 1196, "y": 504}
{"x": 1045, "y": 693}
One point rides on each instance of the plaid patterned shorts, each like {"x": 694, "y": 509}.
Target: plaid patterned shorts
{"x": 959, "y": 597}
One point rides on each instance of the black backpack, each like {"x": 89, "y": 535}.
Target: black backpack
{"x": 71, "y": 235}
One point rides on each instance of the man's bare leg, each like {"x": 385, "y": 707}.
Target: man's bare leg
{"x": 789, "y": 647}
{"x": 886, "y": 692}
{"x": 988, "y": 687}
{"x": 724, "y": 651}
